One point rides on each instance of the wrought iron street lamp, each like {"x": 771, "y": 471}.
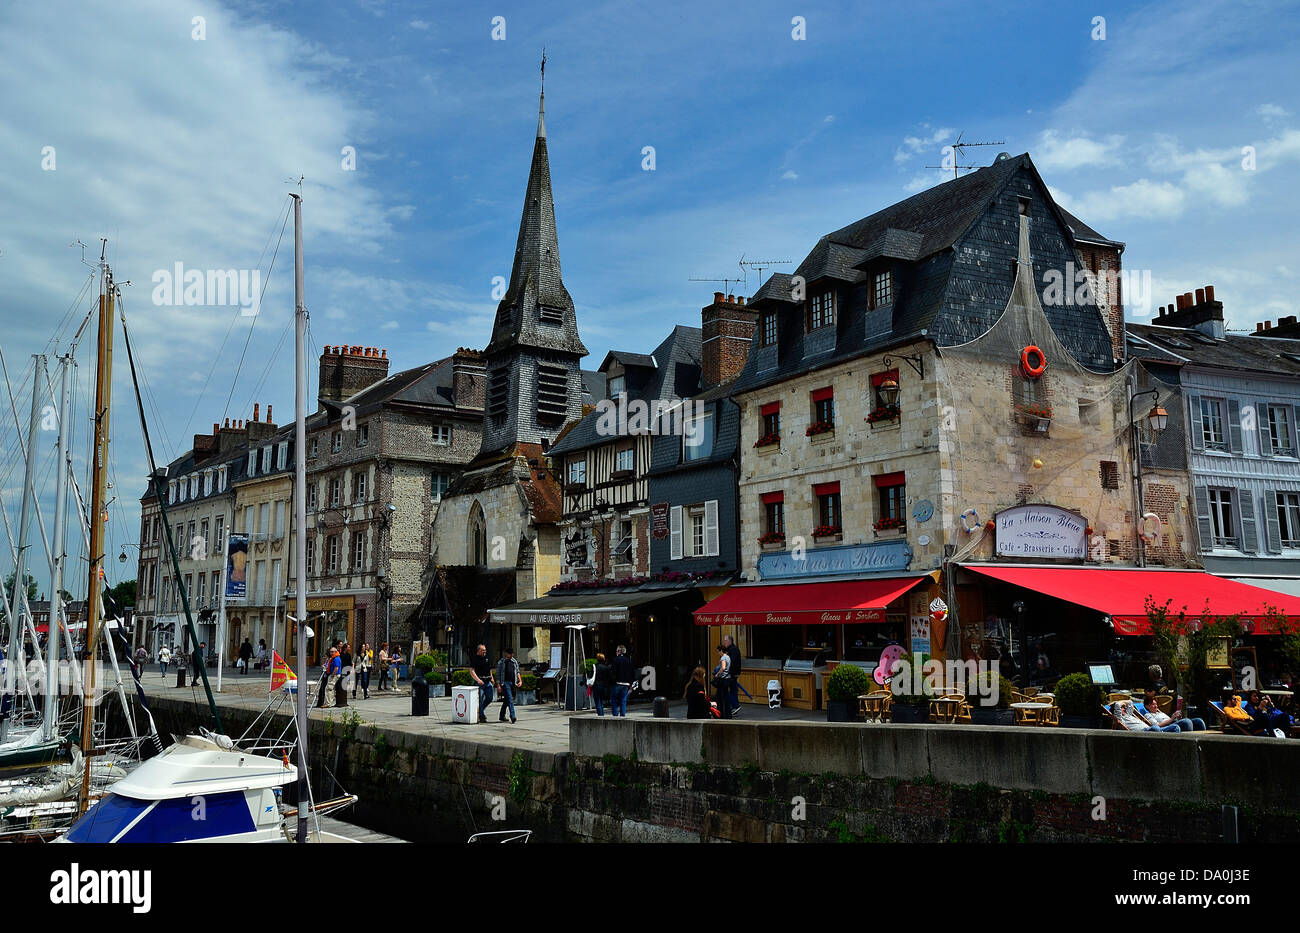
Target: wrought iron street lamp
{"x": 1157, "y": 419}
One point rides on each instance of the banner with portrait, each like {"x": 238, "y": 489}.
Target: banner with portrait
{"x": 236, "y": 566}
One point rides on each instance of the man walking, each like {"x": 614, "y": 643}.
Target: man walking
{"x": 624, "y": 677}
{"x": 733, "y": 688}
{"x": 164, "y": 658}
{"x": 508, "y": 678}
{"x": 481, "y": 671}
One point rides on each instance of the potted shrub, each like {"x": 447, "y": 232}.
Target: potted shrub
{"x": 1080, "y": 701}
{"x": 843, "y": 687}
{"x": 437, "y": 683}
{"x": 526, "y": 695}
{"x": 462, "y": 678}
{"x": 995, "y": 714}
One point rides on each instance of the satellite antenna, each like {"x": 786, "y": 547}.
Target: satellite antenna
{"x": 760, "y": 264}
{"x": 957, "y": 154}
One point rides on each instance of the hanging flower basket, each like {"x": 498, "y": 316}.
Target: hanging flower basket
{"x": 820, "y": 427}
{"x": 767, "y": 440}
{"x": 883, "y": 413}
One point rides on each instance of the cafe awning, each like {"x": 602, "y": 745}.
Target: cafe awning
{"x": 838, "y": 602}
{"x": 1122, "y": 594}
{"x": 578, "y": 608}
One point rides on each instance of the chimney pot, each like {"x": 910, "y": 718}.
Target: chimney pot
{"x": 215, "y": 428}
{"x": 717, "y": 298}
{"x": 1209, "y": 293}
{"x": 1200, "y": 296}
{"x": 1180, "y": 301}
{"x": 731, "y": 299}
{"x": 268, "y": 413}
{"x": 1187, "y": 299}
{"x": 1258, "y": 327}
{"x": 1268, "y": 325}
{"x": 385, "y": 353}
{"x": 740, "y": 300}
{"x": 255, "y": 411}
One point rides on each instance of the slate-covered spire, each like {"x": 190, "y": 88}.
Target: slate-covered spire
{"x": 537, "y": 310}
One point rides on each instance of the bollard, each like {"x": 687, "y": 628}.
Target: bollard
{"x": 340, "y": 693}
{"x": 180, "y": 677}
{"x": 419, "y": 694}
{"x": 661, "y": 707}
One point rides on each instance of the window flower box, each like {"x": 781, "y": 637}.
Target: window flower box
{"x": 883, "y": 413}
{"x": 827, "y": 531}
{"x": 890, "y": 524}
{"x": 820, "y": 427}
{"x": 768, "y": 440}
{"x": 772, "y": 539}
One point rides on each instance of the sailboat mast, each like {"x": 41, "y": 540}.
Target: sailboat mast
{"x": 300, "y": 507}
{"x": 59, "y": 556}
{"x": 99, "y": 473}
{"x": 20, "y": 581}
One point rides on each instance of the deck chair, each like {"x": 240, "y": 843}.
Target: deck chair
{"x": 1230, "y": 726}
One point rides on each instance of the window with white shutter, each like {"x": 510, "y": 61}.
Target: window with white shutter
{"x": 675, "y": 532}
{"x": 711, "y": 528}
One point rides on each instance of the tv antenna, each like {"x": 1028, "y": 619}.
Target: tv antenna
{"x": 760, "y": 264}
{"x": 958, "y": 154}
{"x": 726, "y": 282}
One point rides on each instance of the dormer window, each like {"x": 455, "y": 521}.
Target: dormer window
{"x": 821, "y": 310}
{"x": 882, "y": 288}
{"x": 617, "y": 385}
{"x": 769, "y": 328}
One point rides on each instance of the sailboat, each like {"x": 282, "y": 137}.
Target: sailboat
{"x": 241, "y": 780}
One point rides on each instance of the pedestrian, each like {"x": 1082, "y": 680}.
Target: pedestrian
{"x": 624, "y": 677}
{"x": 697, "y": 695}
{"x": 481, "y": 670}
{"x": 384, "y": 663}
{"x": 199, "y": 653}
{"x": 604, "y": 681}
{"x": 141, "y": 659}
{"x": 733, "y": 671}
{"x": 329, "y": 677}
{"x": 722, "y": 682}
{"x": 395, "y": 663}
{"x": 361, "y": 667}
{"x": 164, "y": 658}
{"x": 508, "y": 677}
{"x": 245, "y": 655}
{"x": 347, "y": 666}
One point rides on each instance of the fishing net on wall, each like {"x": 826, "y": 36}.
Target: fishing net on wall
{"x": 1062, "y": 438}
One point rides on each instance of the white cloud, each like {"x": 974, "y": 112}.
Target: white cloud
{"x": 1067, "y": 153}
{"x": 418, "y": 24}
{"x": 790, "y": 175}
{"x": 1143, "y": 199}
{"x": 1272, "y": 111}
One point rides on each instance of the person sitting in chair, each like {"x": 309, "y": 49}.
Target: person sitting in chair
{"x": 1151, "y": 710}
{"x": 1265, "y": 715}
{"x": 1131, "y": 718}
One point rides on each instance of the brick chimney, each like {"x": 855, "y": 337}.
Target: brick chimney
{"x": 1198, "y": 311}
{"x": 727, "y": 330}
{"x": 205, "y": 445}
{"x": 231, "y": 437}
{"x": 1285, "y": 327}
{"x": 345, "y": 371}
{"x": 469, "y": 378}
{"x": 257, "y": 429}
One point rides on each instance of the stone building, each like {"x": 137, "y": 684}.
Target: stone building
{"x": 930, "y": 413}
{"x": 501, "y": 513}
{"x": 381, "y": 452}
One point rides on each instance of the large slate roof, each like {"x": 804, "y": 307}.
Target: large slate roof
{"x": 1185, "y": 346}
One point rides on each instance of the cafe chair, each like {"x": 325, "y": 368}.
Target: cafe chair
{"x": 876, "y": 706}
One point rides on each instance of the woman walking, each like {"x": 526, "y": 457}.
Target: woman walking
{"x": 604, "y": 684}
{"x": 722, "y": 682}
{"x": 361, "y": 664}
{"x": 384, "y": 663}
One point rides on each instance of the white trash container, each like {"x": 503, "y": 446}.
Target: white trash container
{"x": 464, "y": 705}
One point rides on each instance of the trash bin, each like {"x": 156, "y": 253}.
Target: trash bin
{"x": 419, "y": 695}
{"x": 180, "y": 677}
{"x": 464, "y": 705}
{"x": 661, "y": 707}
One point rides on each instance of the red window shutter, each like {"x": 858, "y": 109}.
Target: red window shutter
{"x": 771, "y": 498}
{"x": 821, "y": 395}
{"x": 889, "y": 479}
{"x": 826, "y": 489}
{"x": 878, "y": 378}
{"x": 771, "y": 408}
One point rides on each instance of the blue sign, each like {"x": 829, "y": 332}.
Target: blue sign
{"x": 827, "y": 561}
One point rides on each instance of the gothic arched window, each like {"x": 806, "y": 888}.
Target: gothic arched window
{"x": 477, "y": 537}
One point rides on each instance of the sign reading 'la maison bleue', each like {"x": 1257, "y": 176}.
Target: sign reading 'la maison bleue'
{"x": 1041, "y": 531}
{"x": 823, "y": 561}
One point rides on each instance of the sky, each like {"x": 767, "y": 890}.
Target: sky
{"x": 176, "y": 129}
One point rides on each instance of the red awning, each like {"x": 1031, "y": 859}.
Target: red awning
{"x": 805, "y": 603}
{"x": 1122, "y": 594}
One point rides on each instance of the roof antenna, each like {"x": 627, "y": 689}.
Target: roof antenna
{"x": 761, "y": 264}
{"x": 957, "y": 154}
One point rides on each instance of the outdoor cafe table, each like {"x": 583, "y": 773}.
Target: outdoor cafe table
{"x": 1034, "y": 711}
{"x": 945, "y": 709}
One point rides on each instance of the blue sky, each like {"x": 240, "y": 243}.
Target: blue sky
{"x": 180, "y": 150}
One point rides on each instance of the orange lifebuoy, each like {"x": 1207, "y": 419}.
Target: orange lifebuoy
{"x": 1033, "y": 371}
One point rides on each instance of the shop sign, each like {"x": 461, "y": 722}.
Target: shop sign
{"x": 826, "y": 561}
{"x": 329, "y": 603}
{"x": 659, "y": 521}
{"x": 920, "y": 632}
{"x": 1041, "y": 531}
{"x": 560, "y": 617}
{"x": 791, "y": 617}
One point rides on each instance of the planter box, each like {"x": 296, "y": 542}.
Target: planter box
{"x": 437, "y": 690}
{"x": 990, "y": 716}
{"x": 842, "y": 710}
{"x": 525, "y": 697}
{"x": 908, "y": 712}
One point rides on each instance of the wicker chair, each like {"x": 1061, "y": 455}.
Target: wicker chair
{"x": 876, "y": 706}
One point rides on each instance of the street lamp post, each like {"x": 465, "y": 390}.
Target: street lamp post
{"x": 1156, "y": 419}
